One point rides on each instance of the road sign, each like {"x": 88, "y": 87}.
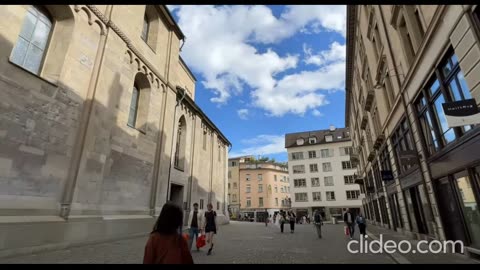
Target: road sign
{"x": 387, "y": 175}
{"x": 461, "y": 113}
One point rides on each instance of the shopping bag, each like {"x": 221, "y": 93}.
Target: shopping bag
{"x": 186, "y": 236}
{"x": 347, "y": 231}
{"x": 201, "y": 241}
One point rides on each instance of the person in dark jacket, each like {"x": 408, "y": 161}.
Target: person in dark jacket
{"x": 317, "y": 222}
{"x": 165, "y": 245}
{"x": 362, "y": 225}
{"x": 292, "y": 217}
{"x": 283, "y": 220}
{"x": 211, "y": 226}
{"x": 349, "y": 219}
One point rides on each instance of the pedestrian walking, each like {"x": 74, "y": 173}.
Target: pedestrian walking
{"x": 195, "y": 221}
{"x": 304, "y": 220}
{"x": 318, "y": 222}
{"x": 292, "y": 218}
{"x": 165, "y": 245}
{"x": 349, "y": 219}
{"x": 275, "y": 218}
{"x": 283, "y": 219}
{"x": 362, "y": 225}
{"x": 210, "y": 226}
{"x": 266, "y": 218}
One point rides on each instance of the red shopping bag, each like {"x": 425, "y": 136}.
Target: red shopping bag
{"x": 201, "y": 241}
{"x": 347, "y": 231}
{"x": 186, "y": 236}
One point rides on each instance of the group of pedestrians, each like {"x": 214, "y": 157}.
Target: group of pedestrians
{"x": 285, "y": 217}
{"x": 166, "y": 245}
{"x": 349, "y": 217}
{"x": 351, "y": 220}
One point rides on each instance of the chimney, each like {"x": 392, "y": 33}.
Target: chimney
{"x": 332, "y": 128}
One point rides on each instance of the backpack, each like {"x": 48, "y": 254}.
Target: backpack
{"x": 360, "y": 220}
{"x": 318, "y": 218}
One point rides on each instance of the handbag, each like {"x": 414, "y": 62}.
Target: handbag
{"x": 347, "y": 231}
{"x": 186, "y": 236}
{"x": 201, "y": 241}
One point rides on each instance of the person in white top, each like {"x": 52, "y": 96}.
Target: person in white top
{"x": 195, "y": 224}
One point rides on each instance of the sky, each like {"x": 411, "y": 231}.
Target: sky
{"x": 264, "y": 71}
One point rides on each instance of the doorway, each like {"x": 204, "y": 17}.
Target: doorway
{"x": 469, "y": 205}
{"x": 452, "y": 220}
{"x": 176, "y": 194}
{"x": 415, "y": 210}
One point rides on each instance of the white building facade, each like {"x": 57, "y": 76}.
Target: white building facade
{"x": 321, "y": 174}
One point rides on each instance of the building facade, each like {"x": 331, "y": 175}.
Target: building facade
{"x": 98, "y": 125}
{"x": 257, "y": 187}
{"x": 420, "y": 175}
{"x": 321, "y": 174}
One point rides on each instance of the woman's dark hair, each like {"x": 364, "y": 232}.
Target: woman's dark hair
{"x": 170, "y": 219}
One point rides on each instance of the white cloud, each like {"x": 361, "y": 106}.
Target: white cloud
{"x": 299, "y": 92}
{"x": 172, "y": 8}
{"x": 243, "y": 113}
{"x": 317, "y": 113}
{"x": 262, "y": 145}
{"x": 220, "y": 45}
{"x": 336, "y": 53}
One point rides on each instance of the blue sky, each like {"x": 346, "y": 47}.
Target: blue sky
{"x": 264, "y": 71}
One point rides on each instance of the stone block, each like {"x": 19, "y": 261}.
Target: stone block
{"x": 459, "y": 31}
{"x": 5, "y": 166}
{"x": 31, "y": 150}
{"x": 473, "y": 77}
{"x": 472, "y": 59}
{"x": 465, "y": 44}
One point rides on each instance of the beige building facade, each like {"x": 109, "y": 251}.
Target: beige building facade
{"x": 98, "y": 125}
{"x": 403, "y": 63}
{"x": 257, "y": 187}
{"x": 321, "y": 174}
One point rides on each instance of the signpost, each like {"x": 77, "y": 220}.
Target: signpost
{"x": 408, "y": 157}
{"x": 461, "y": 113}
{"x": 387, "y": 175}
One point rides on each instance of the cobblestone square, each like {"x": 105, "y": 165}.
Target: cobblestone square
{"x": 236, "y": 243}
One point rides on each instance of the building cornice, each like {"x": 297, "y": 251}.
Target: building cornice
{"x": 350, "y": 56}
{"x": 130, "y": 46}
{"x": 194, "y": 107}
{"x": 187, "y": 69}
{"x": 173, "y": 24}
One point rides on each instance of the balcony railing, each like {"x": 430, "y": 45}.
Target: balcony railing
{"x": 364, "y": 122}
{"x": 371, "y": 152}
{"x": 369, "y": 100}
{"x": 379, "y": 141}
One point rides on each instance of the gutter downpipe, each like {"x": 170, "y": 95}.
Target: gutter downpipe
{"x": 211, "y": 171}
{"x": 190, "y": 180}
{"x": 156, "y": 169}
{"x": 410, "y": 126}
{"x": 179, "y": 101}
{"x": 69, "y": 190}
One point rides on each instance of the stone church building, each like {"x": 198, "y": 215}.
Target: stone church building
{"x": 98, "y": 126}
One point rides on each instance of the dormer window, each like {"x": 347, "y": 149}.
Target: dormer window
{"x": 150, "y": 26}
{"x": 300, "y": 141}
{"x": 312, "y": 140}
{"x": 328, "y": 138}
{"x": 146, "y": 26}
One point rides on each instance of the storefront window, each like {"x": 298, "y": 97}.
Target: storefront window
{"x": 425, "y": 208}
{"x": 402, "y": 141}
{"x": 470, "y": 206}
{"x": 447, "y": 85}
